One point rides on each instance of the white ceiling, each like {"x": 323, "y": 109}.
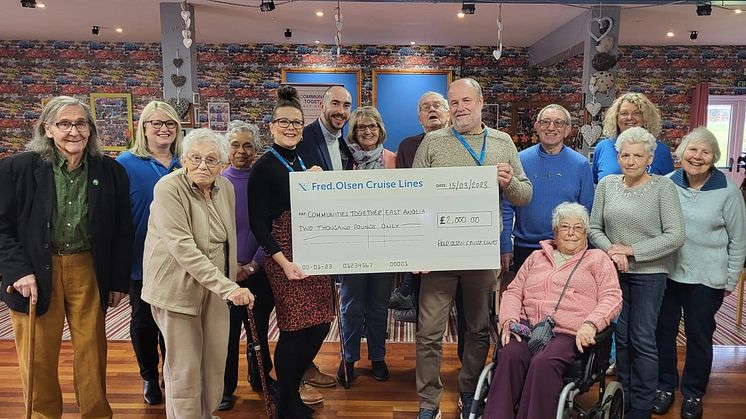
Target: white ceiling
{"x": 378, "y": 23}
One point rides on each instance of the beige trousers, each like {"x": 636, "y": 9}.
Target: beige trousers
{"x": 196, "y": 348}
{"x": 75, "y": 295}
{"x": 437, "y": 290}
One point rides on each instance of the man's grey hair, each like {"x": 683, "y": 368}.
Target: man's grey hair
{"x": 556, "y": 107}
{"x": 205, "y": 135}
{"x": 569, "y": 210}
{"x": 636, "y": 135}
{"x": 443, "y": 101}
{"x": 473, "y": 83}
{"x": 44, "y": 145}
{"x": 700, "y": 135}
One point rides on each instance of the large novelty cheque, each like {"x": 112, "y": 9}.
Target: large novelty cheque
{"x": 396, "y": 220}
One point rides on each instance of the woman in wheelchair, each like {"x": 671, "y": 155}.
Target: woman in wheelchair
{"x": 578, "y": 289}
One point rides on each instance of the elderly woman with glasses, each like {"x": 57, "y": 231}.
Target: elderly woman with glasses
{"x": 364, "y": 297}
{"x": 630, "y": 110}
{"x": 637, "y": 221}
{"x": 303, "y": 303}
{"x": 65, "y": 245}
{"x": 527, "y": 385}
{"x": 154, "y": 154}
{"x": 189, "y": 272}
{"x": 705, "y": 270}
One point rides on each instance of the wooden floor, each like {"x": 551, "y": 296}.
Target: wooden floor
{"x": 396, "y": 398}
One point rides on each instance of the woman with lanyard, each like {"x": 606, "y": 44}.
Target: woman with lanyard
{"x": 303, "y": 303}
{"x": 154, "y": 154}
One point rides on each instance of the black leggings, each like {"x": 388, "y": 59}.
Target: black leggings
{"x": 293, "y": 354}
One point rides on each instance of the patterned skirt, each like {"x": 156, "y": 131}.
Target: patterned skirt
{"x": 298, "y": 304}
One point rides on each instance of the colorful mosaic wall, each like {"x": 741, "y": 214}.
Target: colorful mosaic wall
{"x": 246, "y": 75}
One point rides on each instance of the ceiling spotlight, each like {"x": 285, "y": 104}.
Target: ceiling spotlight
{"x": 119, "y": 30}
{"x": 267, "y": 5}
{"x": 670, "y": 34}
{"x": 28, "y": 3}
{"x": 738, "y": 11}
{"x": 704, "y": 8}
{"x": 320, "y": 13}
{"x": 460, "y": 14}
{"x": 693, "y": 35}
{"x": 41, "y": 5}
{"x": 468, "y": 7}
{"x": 95, "y": 30}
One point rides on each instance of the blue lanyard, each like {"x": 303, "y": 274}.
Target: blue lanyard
{"x": 480, "y": 159}
{"x": 285, "y": 162}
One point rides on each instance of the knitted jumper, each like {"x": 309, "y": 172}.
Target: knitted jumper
{"x": 646, "y": 217}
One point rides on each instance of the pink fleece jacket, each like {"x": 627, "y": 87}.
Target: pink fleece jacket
{"x": 593, "y": 293}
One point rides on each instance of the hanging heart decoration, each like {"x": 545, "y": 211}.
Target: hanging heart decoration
{"x": 497, "y": 53}
{"x": 591, "y": 133}
{"x": 185, "y": 14}
{"x": 178, "y": 62}
{"x": 602, "y": 22}
{"x": 186, "y": 33}
{"x": 181, "y": 106}
{"x": 177, "y": 80}
{"x": 593, "y": 108}
{"x": 187, "y": 43}
{"x": 592, "y": 87}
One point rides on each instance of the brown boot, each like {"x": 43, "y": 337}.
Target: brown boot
{"x": 310, "y": 395}
{"x": 317, "y": 378}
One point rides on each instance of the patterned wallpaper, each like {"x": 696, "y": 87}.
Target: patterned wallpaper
{"x": 246, "y": 76}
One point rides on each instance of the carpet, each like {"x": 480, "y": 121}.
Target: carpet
{"x": 117, "y": 326}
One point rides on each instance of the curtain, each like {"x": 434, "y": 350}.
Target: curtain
{"x": 698, "y": 112}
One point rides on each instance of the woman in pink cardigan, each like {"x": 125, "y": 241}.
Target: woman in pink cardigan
{"x": 526, "y": 385}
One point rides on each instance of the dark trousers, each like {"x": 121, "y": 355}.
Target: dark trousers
{"x": 263, "y": 305}
{"x": 413, "y": 281}
{"x": 528, "y": 387}
{"x": 364, "y": 301}
{"x": 293, "y": 354}
{"x": 145, "y": 335}
{"x": 520, "y": 254}
{"x": 636, "y": 349}
{"x": 700, "y": 303}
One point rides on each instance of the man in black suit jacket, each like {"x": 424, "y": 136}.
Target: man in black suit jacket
{"x": 323, "y": 142}
{"x": 323, "y": 138}
{"x": 66, "y": 244}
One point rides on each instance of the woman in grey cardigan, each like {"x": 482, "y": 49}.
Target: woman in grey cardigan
{"x": 703, "y": 271}
{"x": 637, "y": 220}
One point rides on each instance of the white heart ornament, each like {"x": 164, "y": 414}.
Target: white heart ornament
{"x": 186, "y": 34}
{"x": 593, "y": 108}
{"x": 187, "y": 43}
{"x": 497, "y": 53}
{"x": 591, "y": 133}
{"x": 185, "y": 15}
{"x": 600, "y": 23}
{"x": 188, "y": 23}
{"x": 592, "y": 87}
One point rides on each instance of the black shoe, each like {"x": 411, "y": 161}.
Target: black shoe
{"x": 380, "y": 370}
{"x": 271, "y": 384}
{"x": 350, "y": 371}
{"x": 662, "y": 402}
{"x": 151, "y": 392}
{"x": 691, "y": 408}
{"x": 226, "y": 403}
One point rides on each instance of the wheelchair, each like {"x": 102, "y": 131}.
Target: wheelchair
{"x": 581, "y": 375}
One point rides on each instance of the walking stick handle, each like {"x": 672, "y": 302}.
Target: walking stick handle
{"x": 10, "y": 289}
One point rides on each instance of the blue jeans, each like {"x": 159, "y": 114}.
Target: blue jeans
{"x": 365, "y": 299}
{"x": 636, "y": 349}
{"x": 700, "y": 303}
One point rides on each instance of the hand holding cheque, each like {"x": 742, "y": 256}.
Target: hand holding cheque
{"x": 395, "y": 220}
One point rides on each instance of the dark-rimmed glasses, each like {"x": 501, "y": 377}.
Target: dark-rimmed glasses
{"x": 67, "y": 126}
{"x": 156, "y": 124}
{"x": 363, "y": 128}
{"x": 558, "y": 123}
{"x": 285, "y": 123}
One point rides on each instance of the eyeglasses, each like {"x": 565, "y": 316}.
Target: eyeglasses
{"x": 285, "y": 123}
{"x": 170, "y": 124}
{"x": 245, "y": 146}
{"x": 424, "y": 107}
{"x": 67, "y": 126}
{"x": 209, "y": 161}
{"x": 363, "y": 128}
{"x": 558, "y": 123}
{"x": 635, "y": 114}
{"x": 566, "y": 228}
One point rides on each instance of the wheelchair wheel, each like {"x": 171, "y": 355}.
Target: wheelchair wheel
{"x": 613, "y": 401}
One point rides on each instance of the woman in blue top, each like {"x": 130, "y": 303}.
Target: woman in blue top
{"x": 153, "y": 155}
{"x": 630, "y": 110}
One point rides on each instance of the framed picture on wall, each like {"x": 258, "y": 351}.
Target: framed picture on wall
{"x": 218, "y": 116}
{"x": 113, "y": 115}
{"x": 350, "y": 78}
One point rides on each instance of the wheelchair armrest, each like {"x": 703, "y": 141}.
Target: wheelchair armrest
{"x": 605, "y": 334}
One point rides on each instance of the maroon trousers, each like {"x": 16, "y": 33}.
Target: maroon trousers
{"x": 529, "y": 385}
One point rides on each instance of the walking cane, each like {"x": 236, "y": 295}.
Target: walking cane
{"x": 256, "y": 347}
{"x": 346, "y": 383}
{"x": 30, "y": 357}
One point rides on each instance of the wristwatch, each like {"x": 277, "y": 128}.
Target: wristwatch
{"x": 249, "y": 268}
